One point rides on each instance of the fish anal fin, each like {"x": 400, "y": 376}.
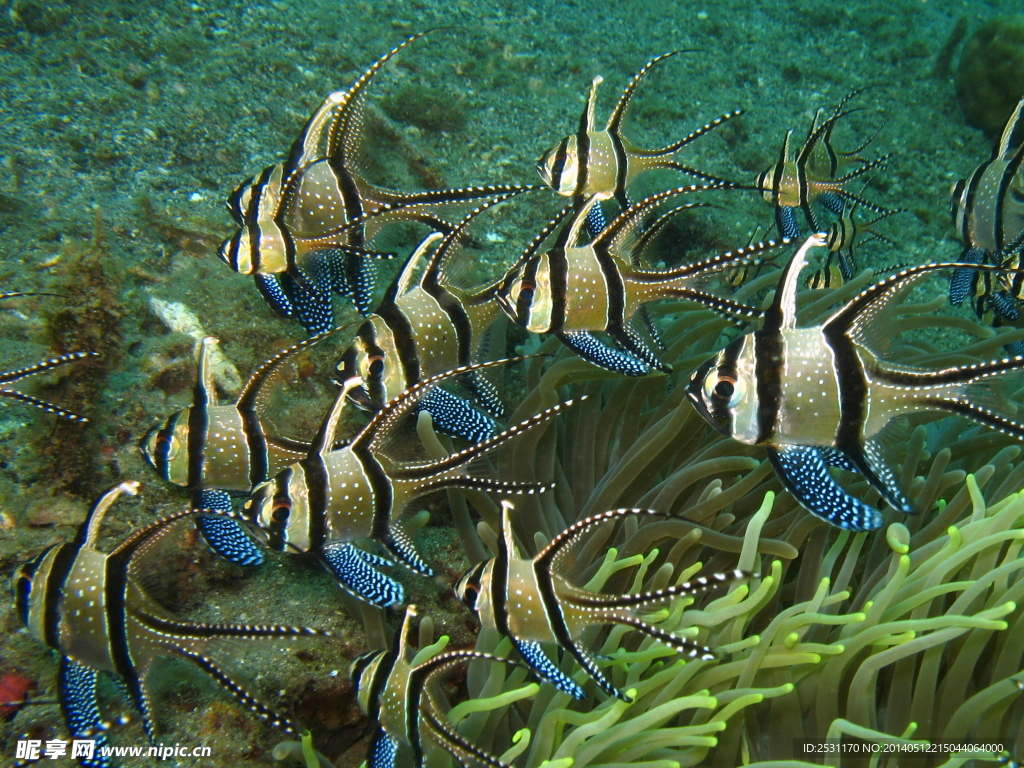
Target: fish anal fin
{"x": 870, "y": 461}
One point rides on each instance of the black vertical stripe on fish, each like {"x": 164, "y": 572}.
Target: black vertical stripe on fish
{"x": 582, "y": 155}
{"x": 769, "y": 353}
{"x": 277, "y": 532}
{"x": 499, "y": 587}
{"x": 404, "y": 338}
{"x": 256, "y": 446}
{"x": 198, "y": 432}
{"x": 379, "y": 680}
{"x": 380, "y": 487}
{"x": 560, "y": 158}
{"x": 164, "y": 442}
{"x": 621, "y": 168}
{"x": 853, "y": 390}
{"x": 966, "y": 212}
{"x": 615, "y": 288}
{"x": 318, "y": 487}
{"x": 63, "y": 562}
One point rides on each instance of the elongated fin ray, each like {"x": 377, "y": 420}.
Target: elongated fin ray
{"x": 854, "y": 317}
{"x": 619, "y": 113}
{"x": 249, "y": 397}
{"x": 259, "y": 709}
{"x": 459, "y": 458}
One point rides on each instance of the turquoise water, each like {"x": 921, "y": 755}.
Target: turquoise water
{"x": 125, "y": 125}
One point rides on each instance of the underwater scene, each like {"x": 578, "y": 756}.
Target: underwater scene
{"x": 538, "y": 385}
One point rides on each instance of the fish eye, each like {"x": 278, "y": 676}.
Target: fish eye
{"x": 376, "y": 366}
{"x": 719, "y": 386}
{"x": 724, "y": 388}
{"x": 525, "y": 291}
{"x": 280, "y": 512}
{"x": 167, "y": 446}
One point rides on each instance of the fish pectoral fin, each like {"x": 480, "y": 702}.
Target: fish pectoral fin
{"x": 803, "y": 472}
{"x": 546, "y": 669}
{"x": 593, "y": 350}
{"x": 76, "y": 687}
{"x": 354, "y": 569}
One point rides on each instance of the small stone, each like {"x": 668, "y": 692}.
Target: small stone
{"x": 55, "y": 511}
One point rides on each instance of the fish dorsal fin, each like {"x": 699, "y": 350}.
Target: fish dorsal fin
{"x": 323, "y": 441}
{"x": 205, "y": 393}
{"x": 781, "y": 315}
{"x": 856, "y": 319}
{"x": 404, "y": 650}
{"x": 312, "y": 143}
{"x": 444, "y": 268}
{"x": 383, "y": 423}
{"x": 816, "y": 136}
{"x": 619, "y": 113}
{"x": 579, "y": 221}
{"x": 250, "y": 397}
{"x": 91, "y": 527}
{"x": 405, "y": 279}
{"x": 143, "y": 538}
{"x": 1013, "y": 133}
{"x": 507, "y": 535}
{"x": 587, "y": 118}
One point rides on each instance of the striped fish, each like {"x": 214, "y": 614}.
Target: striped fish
{"x": 91, "y": 608}
{"x": 214, "y": 450}
{"x": 579, "y": 286}
{"x": 816, "y": 174}
{"x": 425, "y": 327}
{"x": 602, "y": 164}
{"x": 823, "y": 396}
{"x": 528, "y": 601}
{"x": 337, "y": 496}
{"x": 305, "y": 224}
{"x": 12, "y": 377}
{"x": 988, "y": 213}
{"x": 396, "y": 694}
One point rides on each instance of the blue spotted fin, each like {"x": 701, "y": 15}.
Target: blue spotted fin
{"x": 225, "y": 536}
{"x": 593, "y": 350}
{"x": 963, "y": 280}
{"x": 545, "y": 668}
{"x": 455, "y": 416}
{"x": 355, "y": 570}
{"x": 803, "y": 472}
{"x": 76, "y": 688}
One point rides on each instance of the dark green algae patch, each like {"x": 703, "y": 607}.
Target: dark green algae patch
{"x": 126, "y": 124}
